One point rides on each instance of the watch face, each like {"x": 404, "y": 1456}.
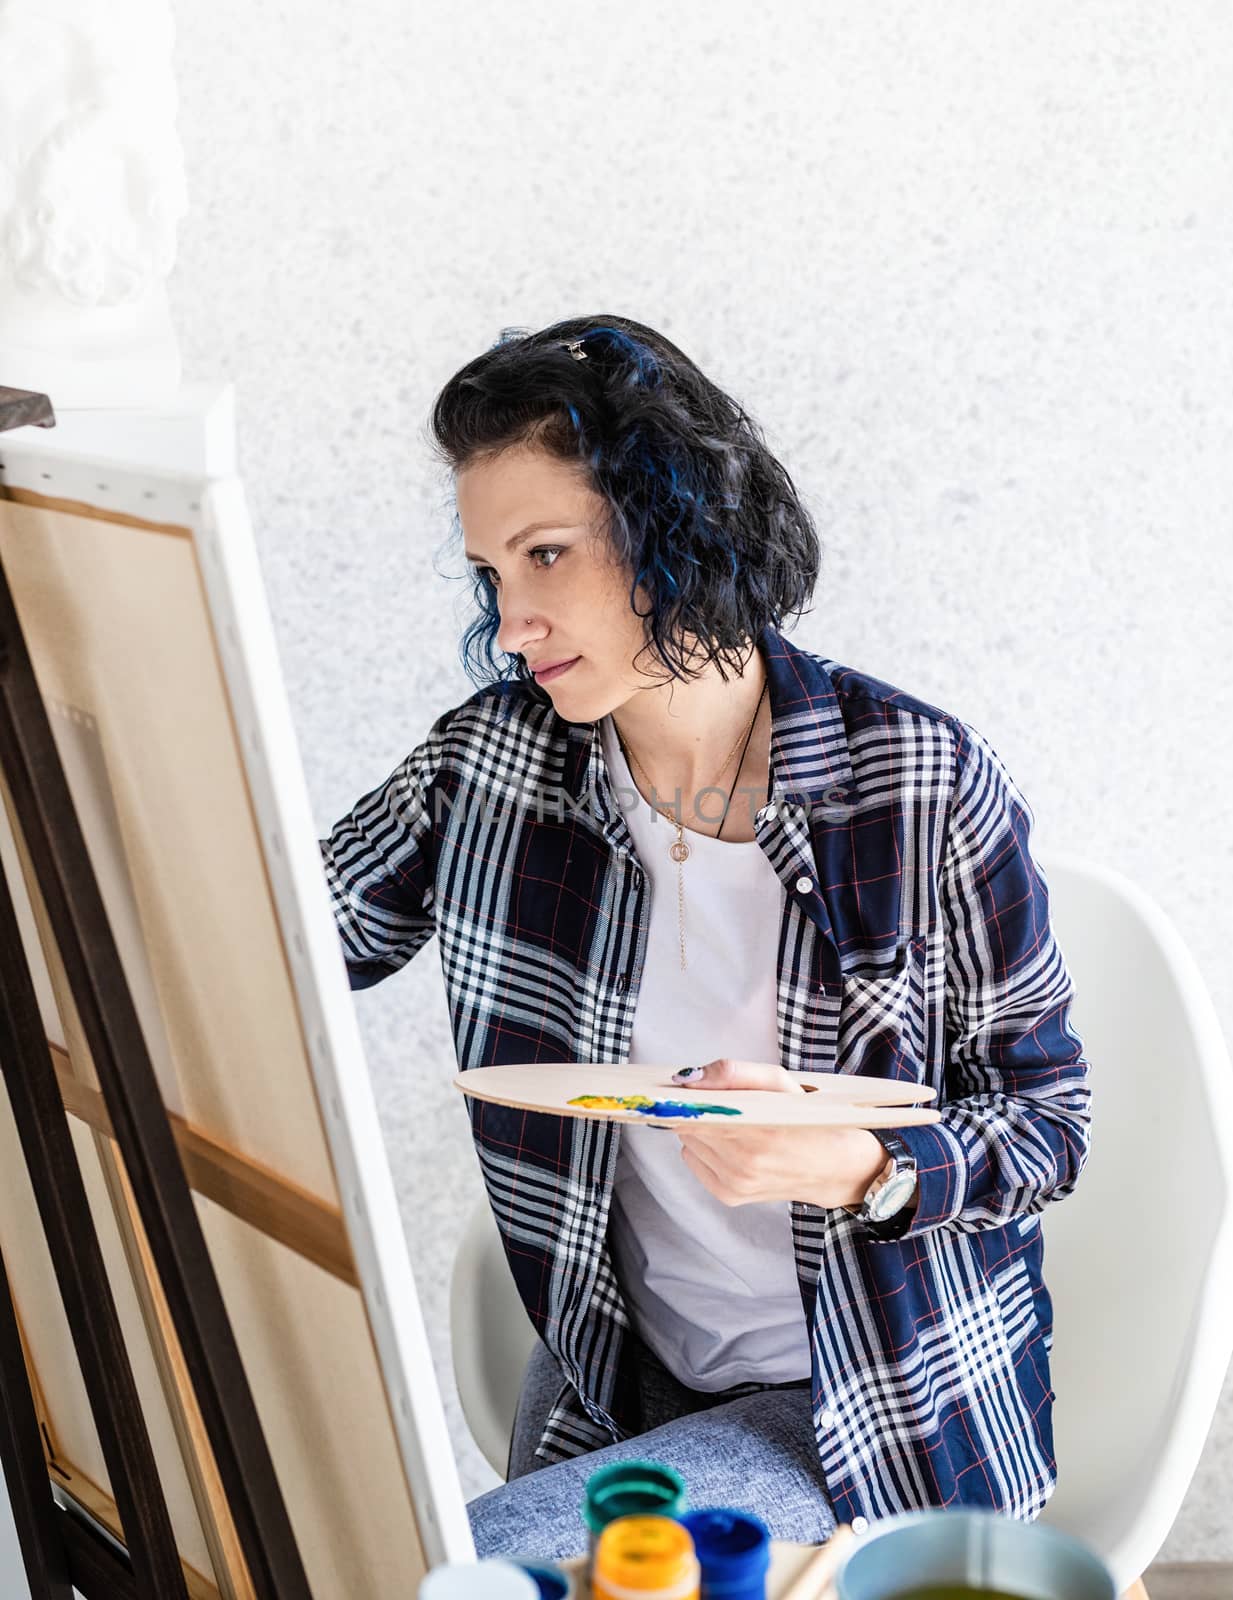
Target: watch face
{"x": 893, "y": 1194}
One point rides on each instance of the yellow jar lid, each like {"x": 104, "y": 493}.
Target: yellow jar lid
{"x": 645, "y": 1553}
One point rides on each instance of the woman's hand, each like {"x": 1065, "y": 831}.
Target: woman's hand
{"x": 819, "y": 1165}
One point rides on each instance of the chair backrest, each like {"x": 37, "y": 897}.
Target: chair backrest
{"x": 491, "y": 1336}
{"x": 1139, "y": 1258}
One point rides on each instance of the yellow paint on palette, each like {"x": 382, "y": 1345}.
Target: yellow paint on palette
{"x": 612, "y": 1102}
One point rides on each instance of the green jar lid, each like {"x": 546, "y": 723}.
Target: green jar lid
{"x": 632, "y": 1489}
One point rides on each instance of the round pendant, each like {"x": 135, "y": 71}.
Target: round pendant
{"x": 679, "y": 851}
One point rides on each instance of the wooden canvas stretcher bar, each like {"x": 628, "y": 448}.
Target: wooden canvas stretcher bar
{"x": 244, "y": 1187}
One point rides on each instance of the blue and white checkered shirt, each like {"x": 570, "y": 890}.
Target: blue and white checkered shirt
{"x": 915, "y": 944}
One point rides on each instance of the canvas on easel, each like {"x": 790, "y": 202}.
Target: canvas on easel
{"x": 140, "y": 601}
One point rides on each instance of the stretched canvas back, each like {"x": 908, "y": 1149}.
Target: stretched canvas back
{"x": 140, "y": 597}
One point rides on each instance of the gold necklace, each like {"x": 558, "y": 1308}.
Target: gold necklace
{"x": 679, "y": 850}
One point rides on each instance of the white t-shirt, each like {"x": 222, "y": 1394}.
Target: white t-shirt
{"x": 712, "y": 1288}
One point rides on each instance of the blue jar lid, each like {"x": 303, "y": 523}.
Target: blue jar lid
{"x": 550, "y": 1580}
{"x": 734, "y": 1549}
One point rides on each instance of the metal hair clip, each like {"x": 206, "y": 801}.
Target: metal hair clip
{"x": 574, "y": 346}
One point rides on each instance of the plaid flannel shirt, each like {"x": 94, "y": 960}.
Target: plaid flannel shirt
{"x": 915, "y": 943}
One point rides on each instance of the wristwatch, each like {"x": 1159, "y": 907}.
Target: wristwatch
{"x": 895, "y": 1186}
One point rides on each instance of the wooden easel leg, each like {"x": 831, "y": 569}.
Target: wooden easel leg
{"x": 81, "y": 1275}
{"x": 1137, "y": 1591}
{"x": 25, "y": 1470}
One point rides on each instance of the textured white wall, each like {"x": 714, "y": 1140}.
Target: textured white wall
{"x": 13, "y": 1583}
{"x": 969, "y": 264}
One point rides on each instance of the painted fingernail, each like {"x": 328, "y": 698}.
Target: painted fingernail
{"x": 688, "y": 1074}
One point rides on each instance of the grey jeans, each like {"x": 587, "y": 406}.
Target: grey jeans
{"x": 752, "y": 1447}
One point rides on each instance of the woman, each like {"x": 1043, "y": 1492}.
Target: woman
{"x": 659, "y": 831}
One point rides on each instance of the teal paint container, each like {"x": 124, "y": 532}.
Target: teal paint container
{"x": 631, "y": 1489}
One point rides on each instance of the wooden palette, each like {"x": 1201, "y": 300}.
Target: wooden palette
{"x": 835, "y": 1099}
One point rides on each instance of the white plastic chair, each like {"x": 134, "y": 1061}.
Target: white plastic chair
{"x": 1138, "y": 1260}
{"x": 491, "y": 1336}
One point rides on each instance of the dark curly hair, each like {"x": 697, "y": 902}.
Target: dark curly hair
{"x": 701, "y": 514}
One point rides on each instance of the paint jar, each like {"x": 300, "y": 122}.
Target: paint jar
{"x": 645, "y": 1558}
{"x": 631, "y": 1489}
{"x": 733, "y": 1550}
{"x": 948, "y": 1550}
{"x": 553, "y": 1584}
{"x": 478, "y": 1580}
